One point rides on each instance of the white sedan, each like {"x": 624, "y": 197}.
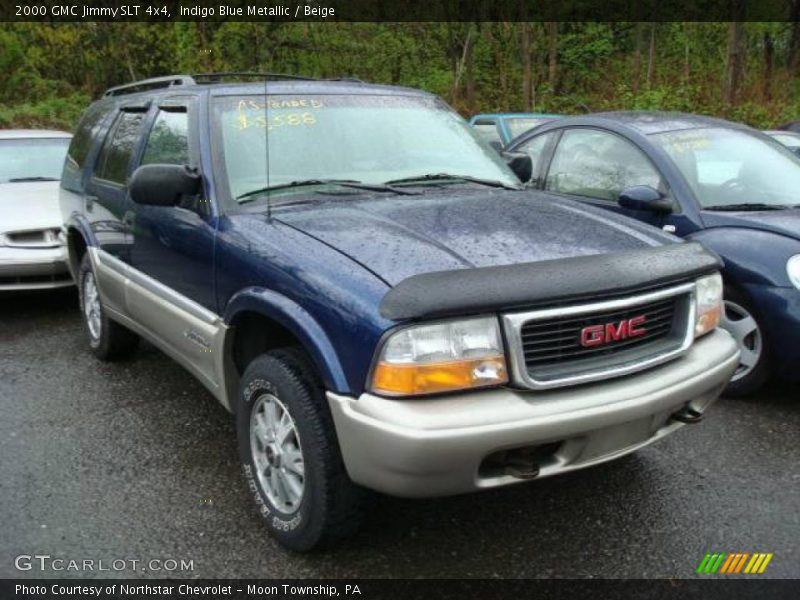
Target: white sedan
{"x": 32, "y": 250}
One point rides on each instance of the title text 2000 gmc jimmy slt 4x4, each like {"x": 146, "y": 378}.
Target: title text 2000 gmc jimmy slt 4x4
{"x": 383, "y": 306}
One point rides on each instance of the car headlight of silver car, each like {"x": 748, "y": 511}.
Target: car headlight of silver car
{"x": 793, "y": 270}
{"x": 708, "y": 304}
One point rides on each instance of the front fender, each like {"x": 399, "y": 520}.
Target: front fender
{"x": 80, "y": 224}
{"x": 300, "y": 323}
{"x": 752, "y": 256}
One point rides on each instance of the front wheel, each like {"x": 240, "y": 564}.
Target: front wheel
{"x": 742, "y": 322}
{"x": 291, "y": 456}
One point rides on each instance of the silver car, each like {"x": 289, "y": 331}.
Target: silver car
{"x": 32, "y": 250}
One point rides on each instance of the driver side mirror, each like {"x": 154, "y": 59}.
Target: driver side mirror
{"x": 521, "y": 164}
{"x": 644, "y": 197}
{"x": 163, "y": 185}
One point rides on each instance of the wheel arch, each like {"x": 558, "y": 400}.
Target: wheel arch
{"x": 259, "y": 320}
{"x": 79, "y": 239}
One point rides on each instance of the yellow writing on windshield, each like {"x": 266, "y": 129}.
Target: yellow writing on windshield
{"x": 254, "y": 114}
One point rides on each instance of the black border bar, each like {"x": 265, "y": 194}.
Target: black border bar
{"x": 398, "y": 10}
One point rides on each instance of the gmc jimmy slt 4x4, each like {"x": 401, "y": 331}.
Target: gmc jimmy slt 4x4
{"x": 373, "y": 294}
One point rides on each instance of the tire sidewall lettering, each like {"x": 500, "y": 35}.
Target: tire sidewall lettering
{"x": 278, "y": 521}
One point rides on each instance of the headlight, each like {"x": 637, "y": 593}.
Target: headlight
{"x": 441, "y": 357}
{"x": 708, "y": 305}
{"x": 793, "y": 270}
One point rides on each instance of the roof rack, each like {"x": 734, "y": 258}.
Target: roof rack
{"x": 150, "y": 84}
{"x": 212, "y": 77}
{"x": 201, "y": 78}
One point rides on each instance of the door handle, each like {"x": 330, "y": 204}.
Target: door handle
{"x": 90, "y": 200}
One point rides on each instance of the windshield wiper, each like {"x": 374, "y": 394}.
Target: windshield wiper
{"x": 746, "y": 206}
{"x": 447, "y": 176}
{"x": 21, "y": 179}
{"x": 351, "y": 183}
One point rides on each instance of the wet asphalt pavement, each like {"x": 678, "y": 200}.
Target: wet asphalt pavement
{"x": 136, "y": 460}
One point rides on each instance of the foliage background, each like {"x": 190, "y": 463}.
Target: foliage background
{"x": 743, "y": 71}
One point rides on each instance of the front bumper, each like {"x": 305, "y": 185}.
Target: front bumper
{"x": 33, "y": 268}
{"x": 440, "y": 446}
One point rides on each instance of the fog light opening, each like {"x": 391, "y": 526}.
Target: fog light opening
{"x": 521, "y": 463}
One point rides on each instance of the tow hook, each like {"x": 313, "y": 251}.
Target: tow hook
{"x": 522, "y": 464}
{"x": 688, "y": 415}
{"x": 523, "y": 471}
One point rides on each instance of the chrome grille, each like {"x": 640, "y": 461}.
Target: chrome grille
{"x": 548, "y": 347}
{"x": 559, "y": 340}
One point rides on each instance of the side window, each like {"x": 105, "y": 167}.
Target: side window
{"x": 80, "y": 146}
{"x": 535, "y": 148}
{"x": 115, "y": 156}
{"x": 598, "y": 164}
{"x": 487, "y": 130}
{"x": 169, "y": 139}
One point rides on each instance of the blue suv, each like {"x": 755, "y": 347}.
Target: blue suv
{"x": 373, "y": 294}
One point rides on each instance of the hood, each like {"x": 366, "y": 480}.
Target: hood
{"x": 29, "y": 205}
{"x": 783, "y": 222}
{"x": 445, "y": 229}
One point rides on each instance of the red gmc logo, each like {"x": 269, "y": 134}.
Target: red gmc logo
{"x": 597, "y": 335}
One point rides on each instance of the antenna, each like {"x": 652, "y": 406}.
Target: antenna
{"x": 266, "y": 148}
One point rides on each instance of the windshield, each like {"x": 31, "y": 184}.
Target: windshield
{"x": 32, "y": 158}
{"x": 519, "y": 125}
{"x": 728, "y": 167}
{"x": 357, "y": 138}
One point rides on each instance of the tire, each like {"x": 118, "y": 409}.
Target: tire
{"x": 743, "y": 322}
{"x": 108, "y": 340}
{"x": 287, "y": 442}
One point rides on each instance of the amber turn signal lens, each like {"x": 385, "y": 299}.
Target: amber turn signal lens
{"x": 417, "y": 379}
{"x": 708, "y": 321}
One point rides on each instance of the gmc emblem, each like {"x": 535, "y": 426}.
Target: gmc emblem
{"x": 597, "y": 335}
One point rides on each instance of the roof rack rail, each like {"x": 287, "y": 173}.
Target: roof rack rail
{"x": 176, "y": 80}
{"x": 248, "y": 75}
{"x": 150, "y": 84}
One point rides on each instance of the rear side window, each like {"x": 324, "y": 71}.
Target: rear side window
{"x": 169, "y": 139}
{"x": 86, "y": 133}
{"x": 112, "y": 164}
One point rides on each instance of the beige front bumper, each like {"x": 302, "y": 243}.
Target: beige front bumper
{"x": 436, "y": 446}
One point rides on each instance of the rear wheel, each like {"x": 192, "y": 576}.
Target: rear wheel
{"x": 108, "y": 339}
{"x": 742, "y": 322}
{"x": 291, "y": 458}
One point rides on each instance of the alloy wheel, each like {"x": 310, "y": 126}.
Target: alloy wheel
{"x": 277, "y": 453}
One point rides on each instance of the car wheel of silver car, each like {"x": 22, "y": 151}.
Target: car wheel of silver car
{"x": 741, "y": 321}
{"x": 108, "y": 339}
{"x": 291, "y": 457}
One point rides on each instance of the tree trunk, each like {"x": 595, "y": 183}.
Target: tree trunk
{"x": 460, "y": 63}
{"x": 687, "y": 67}
{"x": 651, "y": 58}
{"x": 637, "y": 57}
{"x": 735, "y": 62}
{"x": 469, "y": 72}
{"x": 793, "y": 58}
{"x": 527, "y": 66}
{"x": 769, "y": 65}
{"x": 552, "y": 56}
